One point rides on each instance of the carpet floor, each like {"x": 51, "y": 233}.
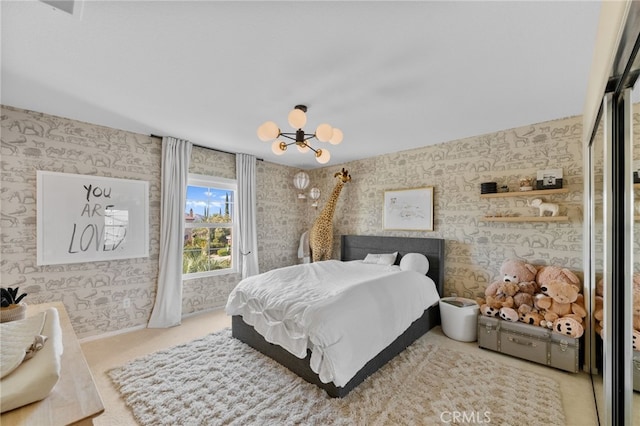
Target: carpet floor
{"x": 218, "y": 380}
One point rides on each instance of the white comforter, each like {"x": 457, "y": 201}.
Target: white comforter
{"x": 346, "y": 312}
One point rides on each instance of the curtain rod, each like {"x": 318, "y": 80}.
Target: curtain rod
{"x": 207, "y": 147}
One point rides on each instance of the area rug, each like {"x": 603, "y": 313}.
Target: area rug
{"x": 218, "y": 380}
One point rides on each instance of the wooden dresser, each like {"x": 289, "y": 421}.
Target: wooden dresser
{"x": 75, "y": 399}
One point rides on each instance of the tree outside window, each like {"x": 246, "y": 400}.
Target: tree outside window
{"x": 209, "y": 223}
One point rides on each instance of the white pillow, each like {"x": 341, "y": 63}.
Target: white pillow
{"x": 415, "y": 262}
{"x": 381, "y": 258}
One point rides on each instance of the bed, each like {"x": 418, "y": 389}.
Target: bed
{"x": 353, "y": 248}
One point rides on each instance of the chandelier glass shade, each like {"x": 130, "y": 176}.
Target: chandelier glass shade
{"x": 297, "y": 118}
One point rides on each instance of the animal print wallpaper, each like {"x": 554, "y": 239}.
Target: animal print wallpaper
{"x": 475, "y": 248}
{"x": 93, "y": 292}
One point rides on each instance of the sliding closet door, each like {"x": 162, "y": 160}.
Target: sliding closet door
{"x": 634, "y": 220}
{"x": 614, "y": 72}
{"x": 594, "y": 271}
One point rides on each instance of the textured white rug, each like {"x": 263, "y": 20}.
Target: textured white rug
{"x": 218, "y": 380}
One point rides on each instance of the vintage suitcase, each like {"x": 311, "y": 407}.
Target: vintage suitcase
{"x": 537, "y": 344}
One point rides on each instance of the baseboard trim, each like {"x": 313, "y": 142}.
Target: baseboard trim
{"x": 111, "y": 334}
{"x": 140, "y": 327}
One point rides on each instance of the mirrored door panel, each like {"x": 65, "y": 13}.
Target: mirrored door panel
{"x": 596, "y": 275}
{"x": 634, "y": 368}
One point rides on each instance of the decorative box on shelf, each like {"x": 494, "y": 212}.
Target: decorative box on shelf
{"x": 537, "y": 344}
{"x": 549, "y": 179}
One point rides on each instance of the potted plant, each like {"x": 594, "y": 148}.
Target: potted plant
{"x": 11, "y": 306}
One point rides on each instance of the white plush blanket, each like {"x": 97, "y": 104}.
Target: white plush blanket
{"x": 33, "y": 379}
{"x": 346, "y": 312}
{"x": 17, "y": 339}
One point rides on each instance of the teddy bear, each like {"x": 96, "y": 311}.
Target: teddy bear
{"x": 568, "y": 326}
{"x": 510, "y": 314}
{"x": 523, "y": 274}
{"x": 529, "y": 315}
{"x": 525, "y": 295}
{"x": 497, "y": 296}
{"x": 548, "y": 273}
{"x": 635, "y": 311}
{"x": 598, "y": 312}
{"x": 559, "y": 299}
{"x": 516, "y": 288}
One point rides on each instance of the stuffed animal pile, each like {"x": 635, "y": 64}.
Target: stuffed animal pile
{"x": 548, "y": 296}
{"x": 598, "y": 313}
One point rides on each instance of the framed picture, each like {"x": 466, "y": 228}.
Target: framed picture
{"x": 636, "y": 171}
{"x": 409, "y": 209}
{"x": 549, "y": 179}
{"x": 85, "y": 218}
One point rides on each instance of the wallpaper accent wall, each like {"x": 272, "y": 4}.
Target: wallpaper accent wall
{"x": 93, "y": 292}
{"x": 475, "y": 249}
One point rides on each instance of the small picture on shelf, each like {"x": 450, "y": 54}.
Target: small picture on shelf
{"x": 549, "y": 179}
{"x": 636, "y": 171}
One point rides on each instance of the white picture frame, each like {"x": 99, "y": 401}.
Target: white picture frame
{"x": 408, "y": 209}
{"x": 84, "y": 218}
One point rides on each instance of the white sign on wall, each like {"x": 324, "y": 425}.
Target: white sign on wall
{"x": 83, "y": 218}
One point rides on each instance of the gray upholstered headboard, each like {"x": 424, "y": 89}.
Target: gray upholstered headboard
{"x": 356, "y": 247}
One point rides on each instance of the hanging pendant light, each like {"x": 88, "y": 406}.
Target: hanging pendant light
{"x": 297, "y": 119}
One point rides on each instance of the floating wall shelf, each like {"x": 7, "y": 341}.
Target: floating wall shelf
{"x": 526, "y": 219}
{"x": 528, "y": 193}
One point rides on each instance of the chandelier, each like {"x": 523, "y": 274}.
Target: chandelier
{"x": 269, "y": 131}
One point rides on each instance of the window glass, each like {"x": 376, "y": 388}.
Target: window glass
{"x": 209, "y": 227}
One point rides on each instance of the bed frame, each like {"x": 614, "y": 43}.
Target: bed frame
{"x": 355, "y": 247}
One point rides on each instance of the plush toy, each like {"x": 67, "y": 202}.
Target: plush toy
{"x": 568, "y": 326}
{"x": 560, "y": 299}
{"x": 636, "y": 311}
{"x": 523, "y": 274}
{"x": 598, "y": 312}
{"x": 509, "y": 314}
{"x": 549, "y": 273}
{"x": 529, "y": 315}
{"x": 517, "y": 271}
{"x": 497, "y": 296}
{"x": 525, "y": 294}
{"x": 503, "y": 296}
{"x": 598, "y": 315}
{"x": 488, "y": 311}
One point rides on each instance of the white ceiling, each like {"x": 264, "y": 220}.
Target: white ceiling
{"x": 391, "y": 75}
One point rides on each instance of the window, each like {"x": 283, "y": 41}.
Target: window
{"x": 209, "y": 227}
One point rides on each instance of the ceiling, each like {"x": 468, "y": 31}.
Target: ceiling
{"x": 391, "y": 75}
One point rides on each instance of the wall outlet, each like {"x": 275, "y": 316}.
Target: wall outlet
{"x": 126, "y": 302}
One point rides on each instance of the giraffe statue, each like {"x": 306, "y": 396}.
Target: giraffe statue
{"x": 321, "y": 235}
